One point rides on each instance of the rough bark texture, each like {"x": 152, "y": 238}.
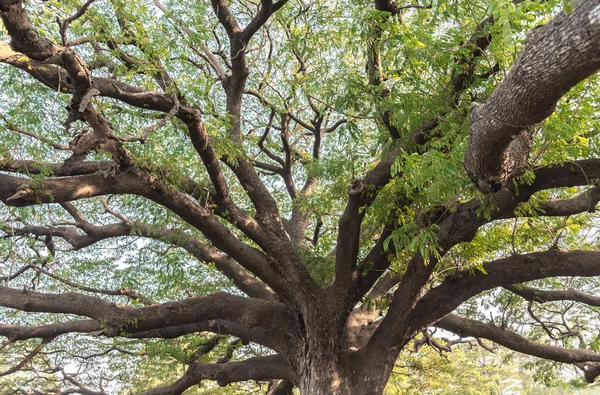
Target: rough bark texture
{"x": 557, "y": 56}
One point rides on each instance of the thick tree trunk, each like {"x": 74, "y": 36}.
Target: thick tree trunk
{"x": 324, "y": 377}
{"x": 331, "y": 362}
{"x": 330, "y": 377}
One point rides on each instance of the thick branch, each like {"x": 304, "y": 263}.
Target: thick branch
{"x": 556, "y": 57}
{"x": 257, "y": 369}
{"x": 351, "y": 220}
{"x": 18, "y": 332}
{"x": 18, "y": 191}
{"x": 244, "y": 281}
{"x": 461, "y": 226}
{"x": 469, "y": 327}
{"x": 459, "y": 287}
{"x": 251, "y": 316}
{"x": 24, "y": 37}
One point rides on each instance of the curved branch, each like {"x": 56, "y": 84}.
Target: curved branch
{"x": 269, "y": 226}
{"x": 267, "y": 9}
{"x": 461, "y": 226}
{"x": 18, "y": 191}
{"x": 544, "y": 296}
{"x": 24, "y": 37}
{"x": 469, "y": 327}
{"x": 584, "y": 202}
{"x": 556, "y": 57}
{"x": 56, "y": 78}
{"x": 462, "y": 285}
{"x": 259, "y": 368}
{"x": 242, "y": 279}
{"x": 28, "y": 357}
{"x": 356, "y": 208}
{"x": 116, "y": 292}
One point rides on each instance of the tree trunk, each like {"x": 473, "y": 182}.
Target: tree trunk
{"x": 328, "y": 378}
{"x": 329, "y": 367}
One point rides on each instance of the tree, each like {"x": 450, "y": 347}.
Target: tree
{"x": 288, "y": 176}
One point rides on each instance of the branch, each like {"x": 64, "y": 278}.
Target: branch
{"x": 206, "y": 52}
{"x": 463, "y": 285}
{"x": 65, "y": 25}
{"x": 24, "y": 37}
{"x": 469, "y": 327}
{"x": 584, "y": 202}
{"x": 251, "y": 317}
{"x": 258, "y": 369}
{"x": 19, "y": 332}
{"x": 356, "y": 208}
{"x": 543, "y": 296}
{"x": 54, "y": 145}
{"x": 461, "y": 225}
{"x": 226, "y": 18}
{"x": 17, "y": 191}
{"x": 262, "y": 199}
{"x": 267, "y": 9}
{"x": 56, "y": 79}
{"x": 28, "y": 358}
{"x": 243, "y": 280}
{"x": 16, "y": 274}
{"x": 81, "y": 389}
{"x": 117, "y": 292}
{"x": 556, "y": 57}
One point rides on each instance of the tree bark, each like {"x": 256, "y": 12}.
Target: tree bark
{"x": 556, "y": 57}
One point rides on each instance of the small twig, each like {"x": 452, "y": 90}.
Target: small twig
{"x": 65, "y": 25}
{"x": 29, "y": 357}
{"x": 118, "y": 292}
{"x": 54, "y": 145}
{"x": 146, "y": 132}
{"x": 107, "y": 209}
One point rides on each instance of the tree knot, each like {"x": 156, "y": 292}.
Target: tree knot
{"x": 357, "y": 187}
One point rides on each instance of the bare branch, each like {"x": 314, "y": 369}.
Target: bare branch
{"x": 544, "y": 296}
{"x": 469, "y": 327}
{"x": 118, "y": 292}
{"x": 27, "y": 358}
{"x": 54, "y": 145}
{"x": 460, "y": 286}
{"x": 65, "y": 24}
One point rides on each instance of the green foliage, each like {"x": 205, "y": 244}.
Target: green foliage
{"x": 474, "y": 371}
{"x": 420, "y": 51}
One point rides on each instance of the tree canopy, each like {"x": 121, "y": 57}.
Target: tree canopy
{"x": 288, "y": 194}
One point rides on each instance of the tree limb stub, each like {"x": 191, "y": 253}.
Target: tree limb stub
{"x": 556, "y": 57}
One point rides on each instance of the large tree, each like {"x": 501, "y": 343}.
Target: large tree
{"x": 290, "y": 177}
